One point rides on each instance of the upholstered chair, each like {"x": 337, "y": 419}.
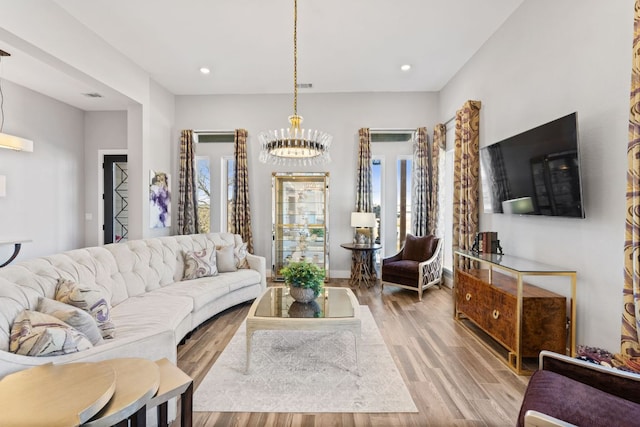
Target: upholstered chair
{"x": 417, "y": 266}
{"x": 565, "y": 391}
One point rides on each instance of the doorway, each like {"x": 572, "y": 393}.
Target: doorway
{"x": 115, "y": 196}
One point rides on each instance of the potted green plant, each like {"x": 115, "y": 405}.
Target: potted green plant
{"x": 305, "y": 280}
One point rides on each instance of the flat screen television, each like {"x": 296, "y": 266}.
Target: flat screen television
{"x": 536, "y": 172}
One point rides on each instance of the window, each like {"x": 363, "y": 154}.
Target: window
{"x": 214, "y": 158}
{"x": 390, "y": 152}
{"x": 203, "y": 194}
{"x": 229, "y": 169}
{"x": 403, "y": 204}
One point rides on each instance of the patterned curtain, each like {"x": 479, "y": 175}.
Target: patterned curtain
{"x": 363, "y": 185}
{"x": 420, "y": 191}
{"x": 630, "y": 347}
{"x": 465, "y": 175}
{"x": 437, "y": 154}
{"x": 187, "y": 203}
{"x": 241, "y": 212}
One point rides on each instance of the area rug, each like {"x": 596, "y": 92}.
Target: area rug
{"x": 305, "y": 371}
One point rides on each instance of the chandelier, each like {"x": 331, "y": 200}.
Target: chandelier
{"x": 294, "y": 146}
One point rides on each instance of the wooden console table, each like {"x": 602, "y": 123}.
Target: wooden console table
{"x": 489, "y": 291}
{"x": 361, "y": 264}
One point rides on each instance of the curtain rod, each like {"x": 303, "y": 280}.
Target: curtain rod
{"x": 450, "y": 120}
{"x": 214, "y": 132}
{"x": 391, "y": 130}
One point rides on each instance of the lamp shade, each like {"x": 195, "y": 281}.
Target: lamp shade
{"x": 363, "y": 219}
{"x": 3, "y": 186}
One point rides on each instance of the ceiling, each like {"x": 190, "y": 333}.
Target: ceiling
{"x": 343, "y": 45}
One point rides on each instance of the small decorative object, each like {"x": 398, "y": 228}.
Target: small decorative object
{"x": 305, "y": 280}
{"x": 487, "y": 242}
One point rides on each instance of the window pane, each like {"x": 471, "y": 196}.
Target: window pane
{"x": 403, "y": 210}
{"x": 203, "y": 193}
{"x": 230, "y": 166}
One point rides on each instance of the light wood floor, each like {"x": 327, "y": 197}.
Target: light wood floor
{"x": 453, "y": 379}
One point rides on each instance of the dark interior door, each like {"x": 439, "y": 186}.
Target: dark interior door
{"x": 115, "y": 198}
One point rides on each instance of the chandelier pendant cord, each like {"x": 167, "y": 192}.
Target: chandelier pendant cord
{"x": 294, "y": 145}
{"x": 1, "y": 98}
{"x": 295, "y": 57}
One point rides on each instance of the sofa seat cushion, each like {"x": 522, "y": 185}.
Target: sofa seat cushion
{"x": 150, "y": 312}
{"x": 576, "y": 403}
{"x": 404, "y": 272}
{"x": 208, "y": 289}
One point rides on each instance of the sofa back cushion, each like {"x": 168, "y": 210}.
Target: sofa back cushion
{"x": 419, "y": 248}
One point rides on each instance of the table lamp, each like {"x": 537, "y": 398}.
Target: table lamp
{"x": 363, "y": 222}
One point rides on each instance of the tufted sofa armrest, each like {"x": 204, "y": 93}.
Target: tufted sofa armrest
{"x": 259, "y": 263}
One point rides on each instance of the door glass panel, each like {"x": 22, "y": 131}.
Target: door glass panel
{"x": 120, "y": 202}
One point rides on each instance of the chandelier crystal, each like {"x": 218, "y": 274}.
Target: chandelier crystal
{"x": 294, "y": 146}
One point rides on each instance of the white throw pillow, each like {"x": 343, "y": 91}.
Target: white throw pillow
{"x": 39, "y": 334}
{"x": 224, "y": 259}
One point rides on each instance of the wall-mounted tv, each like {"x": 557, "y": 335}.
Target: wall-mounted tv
{"x": 536, "y": 172}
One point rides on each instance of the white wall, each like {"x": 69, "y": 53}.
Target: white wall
{"x": 103, "y": 130}
{"x": 161, "y": 154}
{"x": 339, "y": 114}
{"x": 549, "y": 59}
{"x": 45, "y": 188}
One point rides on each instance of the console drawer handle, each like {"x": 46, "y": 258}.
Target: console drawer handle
{"x": 468, "y": 296}
{"x": 496, "y": 314}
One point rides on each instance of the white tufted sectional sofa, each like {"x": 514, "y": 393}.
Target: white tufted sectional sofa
{"x": 152, "y": 308}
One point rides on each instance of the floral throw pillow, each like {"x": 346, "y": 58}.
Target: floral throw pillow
{"x": 240, "y": 254}
{"x": 39, "y": 334}
{"x": 200, "y": 263}
{"x": 89, "y": 298}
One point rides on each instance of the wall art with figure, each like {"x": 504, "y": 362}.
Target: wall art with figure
{"x": 159, "y": 200}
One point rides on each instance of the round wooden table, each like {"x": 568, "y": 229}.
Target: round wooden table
{"x": 137, "y": 382}
{"x": 55, "y": 395}
{"x": 91, "y": 394}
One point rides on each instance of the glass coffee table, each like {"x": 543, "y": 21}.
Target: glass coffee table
{"x": 335, "y": 309}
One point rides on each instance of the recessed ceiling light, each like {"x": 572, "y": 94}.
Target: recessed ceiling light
{"x": 205, "y": 70}
{"x": 405, "y": 67}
